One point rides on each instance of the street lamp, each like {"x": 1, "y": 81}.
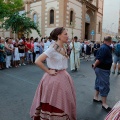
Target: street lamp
{"x": 111, "y": 27}
{"x": 14, "y": 35}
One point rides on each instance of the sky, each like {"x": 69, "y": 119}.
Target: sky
{"x": 111, "y": 15}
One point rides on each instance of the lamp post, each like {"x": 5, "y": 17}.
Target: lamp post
{"x": 14, "y": 35}
{"x": 72, "y": 26}
{"x": 111, "y": 27}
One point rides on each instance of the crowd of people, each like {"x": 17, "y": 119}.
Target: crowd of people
{"x": 15, "y": 53}
{"x": 55, "y": 97}
{"x": 18, "y": 52}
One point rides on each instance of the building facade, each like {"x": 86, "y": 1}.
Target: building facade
{"x": 79, "y": 17}
{"x": 119, "y": 25}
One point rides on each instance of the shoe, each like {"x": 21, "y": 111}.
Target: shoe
{"x": 24, "y": 64}
{"x": 72, "y": 70}
{"x": 118, "y": 73}
{"x": 113, "y": 72}
{"x": 19, "y": 64}
{"x": 108, "y": 109}
{"x": 0, "y": 68}
{"x": 97, "y": 101}
{"x": 75, "y": 69}
{"x": 10, "y": 66}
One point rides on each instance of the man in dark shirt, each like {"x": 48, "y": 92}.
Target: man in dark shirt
{"x": 102, "y": 68}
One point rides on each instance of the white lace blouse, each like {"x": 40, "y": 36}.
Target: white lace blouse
{"x": 55, "y": 60}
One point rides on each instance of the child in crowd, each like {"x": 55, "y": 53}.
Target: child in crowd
{"x": 21, "y": 48}
{"x": 16, "y": 57}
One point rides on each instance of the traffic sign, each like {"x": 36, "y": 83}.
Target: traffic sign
{"x": 92, "y": 32}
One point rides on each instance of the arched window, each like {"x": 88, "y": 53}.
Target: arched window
{"x": 71, "y": 17}
{"x": 35, "y": 18}
{"x": 87, "y": 18}
{"x": 51, "y": 16}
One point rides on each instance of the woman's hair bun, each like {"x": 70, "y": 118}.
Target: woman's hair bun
{"x": 57, "y": 31}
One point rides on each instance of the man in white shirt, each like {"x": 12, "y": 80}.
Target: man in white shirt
{"x": 74, "y": 56}
{"x": 48, "y": 43}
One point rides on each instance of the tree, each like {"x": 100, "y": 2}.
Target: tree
{"x": 8, "y": 7}
{"x": 20, "y": 23}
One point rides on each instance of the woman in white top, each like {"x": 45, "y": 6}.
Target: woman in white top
{"x": 55, "y": 96}
{"x": 45, "y": 45}
{"x": 36, "y": 48}
{"x": 9, "y": 51}
{"x": 16, "y": 56}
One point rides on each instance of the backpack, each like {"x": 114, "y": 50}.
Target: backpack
{"x": 117, "y": 50}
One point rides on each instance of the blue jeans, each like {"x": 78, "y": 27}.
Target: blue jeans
{"x": 102, "y": 83}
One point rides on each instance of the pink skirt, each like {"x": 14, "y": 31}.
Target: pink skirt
{"x": 55, "y": 97}
{"x": 114, "y": 114}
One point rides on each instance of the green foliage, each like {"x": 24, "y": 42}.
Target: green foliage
{"x": 11, "y": 19}
{"x": 8, "y": 7}
{"x": 20, "y": 23}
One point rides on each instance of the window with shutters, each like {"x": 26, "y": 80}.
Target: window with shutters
{"x": 51, "y": 16}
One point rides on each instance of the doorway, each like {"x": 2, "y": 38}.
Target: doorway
{"x": 87, "y": 25}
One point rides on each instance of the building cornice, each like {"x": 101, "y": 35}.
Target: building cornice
{"x": 88, "y": 4}
{"x": 30, "y": 1}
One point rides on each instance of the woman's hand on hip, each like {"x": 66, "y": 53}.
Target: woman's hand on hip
{"x": 53, "y": 72}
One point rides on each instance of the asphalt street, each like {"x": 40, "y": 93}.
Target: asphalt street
{"x": 18, "y": 86}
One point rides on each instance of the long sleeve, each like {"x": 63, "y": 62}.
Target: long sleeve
{"x": 71, "y": 45}
{"x": 77, "y": 47}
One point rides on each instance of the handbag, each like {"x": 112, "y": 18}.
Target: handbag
{"x": 8, "y": 52}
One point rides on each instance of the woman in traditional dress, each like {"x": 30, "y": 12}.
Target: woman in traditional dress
{"x": 55, "y": 96}
{"x": 114, "y": 114}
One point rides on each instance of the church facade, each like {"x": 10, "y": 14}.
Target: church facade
{"x": 82, "y": 18}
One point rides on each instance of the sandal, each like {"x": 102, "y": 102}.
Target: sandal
{"x": 97, "y": 101}
{"x": 108, "y": 109}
